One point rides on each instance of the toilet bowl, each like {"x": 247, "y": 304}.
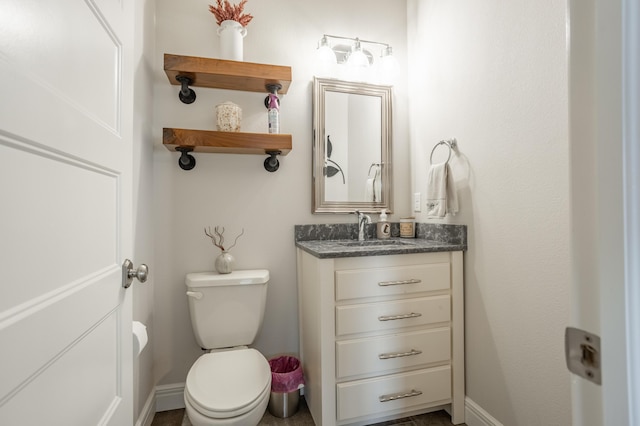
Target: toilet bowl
{"x": 228, "y": 388}
{"x": 231, "y": 384}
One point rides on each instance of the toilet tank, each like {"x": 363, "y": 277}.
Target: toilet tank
{"x": 227, "y": 309}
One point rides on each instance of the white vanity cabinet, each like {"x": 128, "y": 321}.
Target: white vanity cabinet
{"x": 381, "y": 337}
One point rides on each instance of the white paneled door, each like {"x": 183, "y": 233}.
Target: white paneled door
{"x": 65, "y": 212}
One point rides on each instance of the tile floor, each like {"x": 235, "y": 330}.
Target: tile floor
{"x": 303, "y": 418}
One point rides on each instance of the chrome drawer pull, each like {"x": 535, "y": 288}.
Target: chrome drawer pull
{"x": 400, "y": 282}
{"x": 400, "y": 354}
{"x": 398, "y": 317}
{"x": 386, "y": 398}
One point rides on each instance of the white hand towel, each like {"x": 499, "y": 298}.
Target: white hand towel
{"x": 437, "y": 190}
{"x": 368, "y": 190}
{"x": 441, "y": 192}
{"x": 452, "y": 194}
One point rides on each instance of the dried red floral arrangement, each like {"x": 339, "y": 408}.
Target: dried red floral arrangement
{"x": 225, "y": 11}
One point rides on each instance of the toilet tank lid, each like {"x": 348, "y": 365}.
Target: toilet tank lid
{"x": 212, "y": 279}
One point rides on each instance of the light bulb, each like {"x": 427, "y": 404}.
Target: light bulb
{"x": 357, "y": 64}
{"x": 357, "y": 58}
{"x": 387, "y": 67}
{"x": 325, "y": 59}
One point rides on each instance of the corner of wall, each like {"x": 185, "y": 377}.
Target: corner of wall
{"x": 169, "y": 397}
{"x": 148, "y": 411}
{"x": 477, "y": 416}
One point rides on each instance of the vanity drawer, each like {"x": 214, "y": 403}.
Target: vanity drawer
{"x": 390, "y": 281}
{"x": 380, "y": 354}
{"x": 373, "y": 396}
{"x": 380, "y": 316}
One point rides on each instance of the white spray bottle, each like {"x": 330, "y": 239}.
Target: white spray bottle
{"x": 273, "y": 113}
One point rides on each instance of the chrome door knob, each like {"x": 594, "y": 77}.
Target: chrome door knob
{"x": 128, "y": 273}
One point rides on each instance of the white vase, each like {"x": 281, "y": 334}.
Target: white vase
{"x": 231, "y": 34}
{"x": 224, "y": 263}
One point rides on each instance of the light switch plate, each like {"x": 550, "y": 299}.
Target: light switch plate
{"x": 417, "y": 202}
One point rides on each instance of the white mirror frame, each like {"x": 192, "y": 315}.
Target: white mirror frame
{"x": 320, "y": 205}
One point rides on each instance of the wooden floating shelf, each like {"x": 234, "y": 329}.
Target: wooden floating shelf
{"x": 226, "y": 142}
{"x": 225, "y": 74}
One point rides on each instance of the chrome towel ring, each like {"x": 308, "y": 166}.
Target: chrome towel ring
{"x": 452, "y": 144}
{"x": 376, "y": 170}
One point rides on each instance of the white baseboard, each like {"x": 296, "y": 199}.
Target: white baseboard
{"x": 476, "y": 416}
{"x": 169, "y": 397}
{"x": 148, "y": 411}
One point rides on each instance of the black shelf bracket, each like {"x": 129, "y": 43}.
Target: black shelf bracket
{"x": 271, "y": 164}
{"x": 186, "y": 95}
{"x": 186, "y": 161}
{"x": 273, "y": 89}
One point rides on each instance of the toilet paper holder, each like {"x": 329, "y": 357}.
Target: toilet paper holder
{"x": 140, "y": 337}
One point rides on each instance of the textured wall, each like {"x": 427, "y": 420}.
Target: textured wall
{"x": 494, "y": 75}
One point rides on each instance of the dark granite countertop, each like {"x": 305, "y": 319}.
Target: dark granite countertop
{"x": 324, "y": 249}
{"x": 340, "y": 240}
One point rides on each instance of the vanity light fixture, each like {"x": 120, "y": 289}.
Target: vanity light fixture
{"x": 346, "y": 57}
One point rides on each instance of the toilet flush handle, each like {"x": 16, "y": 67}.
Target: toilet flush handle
{"x": 195, "y": 294}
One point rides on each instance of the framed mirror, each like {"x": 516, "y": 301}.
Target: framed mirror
{"x": 351, "y": 147}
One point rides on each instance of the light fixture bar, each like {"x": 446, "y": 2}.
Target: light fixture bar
{"x": 343, "y": 51}
{"x": 351, "y": 58}
{"x": 356, "y": 39}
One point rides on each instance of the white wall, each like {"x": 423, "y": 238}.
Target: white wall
{"x": 235, "y": 191}
{"x": 493, "y": 75}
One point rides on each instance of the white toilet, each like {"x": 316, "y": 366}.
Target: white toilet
{"x": 231, "y": 384}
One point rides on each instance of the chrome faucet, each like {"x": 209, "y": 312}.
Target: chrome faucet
{"x": 363, "y": 220}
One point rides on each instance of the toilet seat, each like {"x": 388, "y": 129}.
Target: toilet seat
{"x": 228, "y": 384}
